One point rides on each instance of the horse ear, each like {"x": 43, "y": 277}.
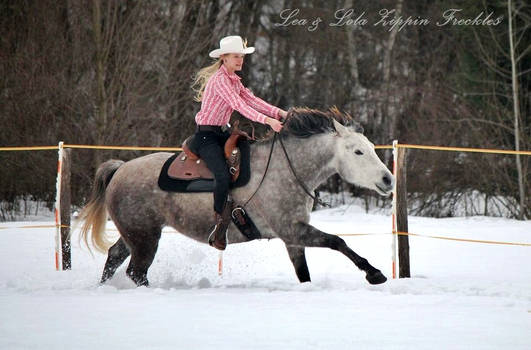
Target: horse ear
{"x": 341, "y": 130}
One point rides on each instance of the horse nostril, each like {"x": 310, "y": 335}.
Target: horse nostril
{"x": 386, "y": 180}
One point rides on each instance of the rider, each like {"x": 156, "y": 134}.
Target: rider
{"x": 220, "y": 92}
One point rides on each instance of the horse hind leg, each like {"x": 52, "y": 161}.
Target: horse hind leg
{"x": 116, "y": 256}
{"x": 143, "y": 250}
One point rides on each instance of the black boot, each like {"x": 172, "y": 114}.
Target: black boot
{"x": 218, "y": 236}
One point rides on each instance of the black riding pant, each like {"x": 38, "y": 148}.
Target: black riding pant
{"x": 209, "y": 146}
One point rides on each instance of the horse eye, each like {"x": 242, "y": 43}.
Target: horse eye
{"x": 358, "y": 152}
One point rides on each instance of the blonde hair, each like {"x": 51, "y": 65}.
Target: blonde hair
{"x": 200, "y": 79}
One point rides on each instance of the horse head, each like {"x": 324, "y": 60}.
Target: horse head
{"x": 357, "y": 162}
{"x": 354, "y": 157}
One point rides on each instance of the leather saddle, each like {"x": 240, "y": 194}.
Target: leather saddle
{"x": 189, "y": 166}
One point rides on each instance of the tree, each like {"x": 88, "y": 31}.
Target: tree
{"x": 516, "y": 103}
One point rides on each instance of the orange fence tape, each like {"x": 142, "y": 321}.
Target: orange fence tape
{"x": 464, "y": 149}
{"x": 425, "y": 147}
{"x": 339, "y": 234}
{"x": 125, "y": 148}
{"x": 464, "y": 239}
{"x": 31, "y": 148}
{"x": 32, "y": 226}
{"x": 438, "y": 237}
{"x": 139, "y": 148}
{"x": 406, "y": 234}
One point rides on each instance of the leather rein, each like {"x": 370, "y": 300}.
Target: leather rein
{"x": 299, "y": 181}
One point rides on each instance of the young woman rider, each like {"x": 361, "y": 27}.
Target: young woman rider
{"x": 220, "y": 92}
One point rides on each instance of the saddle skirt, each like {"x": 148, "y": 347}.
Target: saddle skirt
{"x": 188, "y": 166}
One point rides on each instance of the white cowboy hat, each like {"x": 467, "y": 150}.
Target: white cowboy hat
{"x": 231, "y": 44}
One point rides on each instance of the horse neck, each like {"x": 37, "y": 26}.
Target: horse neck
{"x": 310, "y": 157}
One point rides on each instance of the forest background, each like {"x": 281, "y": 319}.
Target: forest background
{"x": 435, "y": 72}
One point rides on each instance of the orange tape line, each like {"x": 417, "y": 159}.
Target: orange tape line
{"x": 30, "y": 148}
{"x": 33, "y": 226}
{"x": 464, "y": 239}
{"x": 464, "y": 149}
{"x": 139, "y": 148}
{"x": 126, "y": 148}
{"x": 339, "y": 234}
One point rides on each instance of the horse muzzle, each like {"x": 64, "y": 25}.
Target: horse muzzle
{"x": 386, "y": 185}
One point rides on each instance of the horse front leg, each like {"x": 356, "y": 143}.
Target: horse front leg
{"x": 308, "y": 236}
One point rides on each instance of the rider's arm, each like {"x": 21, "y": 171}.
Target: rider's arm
{"x": 259, "y": 104}
{"x": 227, "y": 93}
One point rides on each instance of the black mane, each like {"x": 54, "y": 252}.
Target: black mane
{"x": 303, "y": 122}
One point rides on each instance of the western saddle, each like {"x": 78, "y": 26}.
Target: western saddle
{"x": 189, "y": 166}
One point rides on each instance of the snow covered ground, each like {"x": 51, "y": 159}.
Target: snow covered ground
{"x": 461, "y": 295}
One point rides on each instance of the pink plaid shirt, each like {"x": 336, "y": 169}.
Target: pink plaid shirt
{"x": 225, "y": 93}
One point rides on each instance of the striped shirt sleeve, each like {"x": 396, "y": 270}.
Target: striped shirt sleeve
{"x": 227, "y": 93}
{"x": 259, "y": 104}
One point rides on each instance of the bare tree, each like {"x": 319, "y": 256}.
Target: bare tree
{"x": 516, "y": 105}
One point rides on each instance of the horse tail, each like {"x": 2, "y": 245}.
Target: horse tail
{"x": 94, "y": 214}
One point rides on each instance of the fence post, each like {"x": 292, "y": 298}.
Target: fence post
{"x": 393, "y": 216}
{"x": 66, "y": 209}
{"x": 62, "y": 211}
{"x": 401, "y": 214}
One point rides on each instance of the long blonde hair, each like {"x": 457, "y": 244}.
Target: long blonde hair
{"x": 200, "y": 79}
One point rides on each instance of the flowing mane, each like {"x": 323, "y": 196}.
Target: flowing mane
{"x": 303, "y": 122}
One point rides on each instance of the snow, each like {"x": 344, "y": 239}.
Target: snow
{"x": 461, "y": 295}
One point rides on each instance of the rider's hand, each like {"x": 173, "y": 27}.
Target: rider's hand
{"x": 274, "y": 124}
{"x": 283, "y": 114}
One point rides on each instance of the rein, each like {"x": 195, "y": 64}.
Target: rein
{"x": 299, "y": 181}
{"x": 266, "y": 169}
{"x": 301, "y": 184}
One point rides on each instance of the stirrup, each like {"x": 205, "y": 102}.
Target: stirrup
{"x": 244, "y": 223}
{"x": 235, "y": 216}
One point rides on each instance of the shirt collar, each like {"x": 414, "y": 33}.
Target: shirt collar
{"x": 232, "y": 76}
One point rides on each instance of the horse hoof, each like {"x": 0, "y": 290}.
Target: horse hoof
{"x": 376, "y": 277}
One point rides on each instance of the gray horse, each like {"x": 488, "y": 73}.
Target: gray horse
{"x": 318, "y": 144}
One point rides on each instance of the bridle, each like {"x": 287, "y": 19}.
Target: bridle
{"x": 299, "y": 181}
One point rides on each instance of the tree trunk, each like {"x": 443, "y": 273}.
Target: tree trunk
{"x": 101, "y": 98}
{"x": 516, "y": 110}
{"x": 390, "y": 113}
{"x": 401, "y": 212}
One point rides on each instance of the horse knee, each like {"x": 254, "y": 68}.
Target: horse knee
{"x": 337, "y": 243}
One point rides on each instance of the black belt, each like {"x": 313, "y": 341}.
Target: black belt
{"x": 215, "y": 128}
